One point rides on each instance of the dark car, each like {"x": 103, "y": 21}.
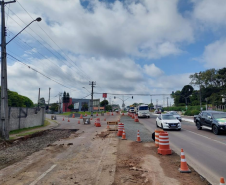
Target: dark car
{"x": 215, "y": 120}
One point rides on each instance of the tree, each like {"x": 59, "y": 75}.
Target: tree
{"x": 54, "y": 107}
{"x": 70, "y": 107}
{"x": 85, "y": 107}
{"x": 151, "y": 106}
{"x": 42, "y": 102}
{"x": 103, "y": 103}
{"x": 108, "y": 107}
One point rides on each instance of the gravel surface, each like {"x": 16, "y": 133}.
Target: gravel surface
{"x": 20, "y": 149}
{"x": 132, "y": 127}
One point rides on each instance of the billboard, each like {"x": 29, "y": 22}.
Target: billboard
{"x": 104, "y": 95}
{"x": 76, "y": 105}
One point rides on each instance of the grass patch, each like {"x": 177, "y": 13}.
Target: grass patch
{"x": 67, "y": 113}
{"x": 46, "y": 123}
{"x": 28, "y": 133}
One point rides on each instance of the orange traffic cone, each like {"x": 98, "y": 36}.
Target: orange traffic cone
{"x": 63, "y": 119}
{"x": 119, "y": 120}
{"x": 73, "y": 116}
{"x": 123, "y": 114}
{"x": 68, "y": 120}
{"x": 183, "y": 164}
{"x": 108, "y": 127}
{"x": 85, "y": 114}
{"x": 78, "y": 121}
{"x": 81, "y": 116}
{"x": 123, "y": 135}
{"x": 96, "y": 114}
{"x": 138, "y": 137}
{"x": 91, "y": 118}
{"x": 222, "y": 181}
{"x": 112, "y": 114}
{"x": 132, "y": 116}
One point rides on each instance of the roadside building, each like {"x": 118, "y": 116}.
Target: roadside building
{"x": 80, "y": 105}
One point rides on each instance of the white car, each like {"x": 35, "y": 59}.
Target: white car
{"x": 175, "y": 114}
{"x": 168, "y": 121}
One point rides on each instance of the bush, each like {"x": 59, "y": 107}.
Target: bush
{"x": 191, "y": 112}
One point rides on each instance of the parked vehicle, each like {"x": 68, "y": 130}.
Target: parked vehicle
{"x": 176, "y": 115}
{"x": 143, "y": 111}
{"x": 214, "y": 120}
{"x": 168, "y": 121}
{"x": 157, "y": 112}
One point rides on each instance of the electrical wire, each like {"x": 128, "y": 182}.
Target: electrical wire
{"x": 40, "y": 72}
{"x": 72, "y": 62}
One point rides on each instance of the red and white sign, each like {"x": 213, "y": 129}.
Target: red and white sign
{"x": 104, "y": 95}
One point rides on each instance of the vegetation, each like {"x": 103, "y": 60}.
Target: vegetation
{"x": 70, "y": 107}
{"x": 54, "y": 107}
{"x": 17, "y": 100}
{"x": 212, "y": 83}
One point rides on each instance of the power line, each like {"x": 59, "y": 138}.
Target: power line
{"x": 134, "y": 94}
{"x": 39, "y": 72}
{"x": 72, "y": 62}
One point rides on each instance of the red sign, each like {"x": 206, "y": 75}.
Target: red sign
{"x": 104, "y": 95}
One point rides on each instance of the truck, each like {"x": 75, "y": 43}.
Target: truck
{"x": 214, "y": 120}
{"x": 143, "y": 111}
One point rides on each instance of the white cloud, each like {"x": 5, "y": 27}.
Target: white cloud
{"x": 210, "y": 13}
{"x": 152, "y": 70}
{"x": 214, "y": 54}
{"x": 148, "y": 28}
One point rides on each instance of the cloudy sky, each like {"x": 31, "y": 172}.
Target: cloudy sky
{"x": 126, "y": 47}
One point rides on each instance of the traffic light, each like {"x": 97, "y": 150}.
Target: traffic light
{"x": 132, "y": 97}
{"x": 114, "y": 97}
{"x": 172, "y": 92}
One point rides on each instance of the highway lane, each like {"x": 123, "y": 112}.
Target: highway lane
{"x": 204, "y": 151}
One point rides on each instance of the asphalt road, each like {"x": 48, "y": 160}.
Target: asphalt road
{"x": 204, "y": 151}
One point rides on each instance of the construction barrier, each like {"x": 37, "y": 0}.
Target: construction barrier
{"x": 136, "y": 118}
{"x": 120, "y": 129}
{"x": 222, "y": 181}
{"x": 157, "y": 137}
{"x": 183, "y": 164}
{"x": 98, "y": 122}
{"x": 138, "y": 137}
{"x": 123, "y": 135}
{"x": 164, "y": 147}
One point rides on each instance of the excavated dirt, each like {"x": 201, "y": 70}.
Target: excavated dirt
{"x": 14, "y": 151}
{"x": 139, "y": 163}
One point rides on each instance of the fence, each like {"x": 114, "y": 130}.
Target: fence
{"x": 20, "y": 117}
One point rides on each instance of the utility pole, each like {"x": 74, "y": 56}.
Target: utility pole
{"x": 91, "y": 106}
{"x": 4, "y": 94}
{"x": 59, "y": 106}
{"x": 38, "y": 96}
{"x": 200, "y": 93}
{"x": 49, "y": 96}
{"x": 167, "y": 100}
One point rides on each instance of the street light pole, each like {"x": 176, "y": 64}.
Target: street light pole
{"x": 4, "y": 131}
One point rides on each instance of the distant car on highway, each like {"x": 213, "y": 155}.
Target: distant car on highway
{"x": 214, "y": 120}
{"x": 132, "y": 110}
{"x": 175, "y": 114}
{"x": 143, "y": 111}
{"x": 168, "y": 121}
{"x": 157, "y": 112}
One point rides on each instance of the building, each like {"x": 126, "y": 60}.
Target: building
{"x": 80, "y": 105}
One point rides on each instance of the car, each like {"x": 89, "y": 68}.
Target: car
{"x": 176, "y": 115}
{"x": 157, "y": 112}
{"x": 132, "y": 110}
{"x": 143, "y": 111}
{"x": 168, "y": 121}
{"x": 215, "y": 120}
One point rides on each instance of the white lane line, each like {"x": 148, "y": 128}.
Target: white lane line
{"x": 43, "y": 175}
{"x": 205, "y": 137}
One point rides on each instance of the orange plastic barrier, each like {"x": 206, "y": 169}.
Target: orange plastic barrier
{"x": 157, "y": 137}
{"x": 120, "y": 129}
{"x": 183, "y": 164}
{"x": 164, "y": 147}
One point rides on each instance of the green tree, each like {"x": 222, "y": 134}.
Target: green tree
{"x": 103, "y": 103}
{"x": 42, "y": 102}
{"x": 85, "y": 107}
{"x": 108, "y": 107}
{"x": 70, "y": 107}
{"x": 54, "y": 107}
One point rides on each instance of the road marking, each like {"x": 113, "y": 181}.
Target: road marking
{"x": 43, "y": 175}
{"x": 205, "y": 137}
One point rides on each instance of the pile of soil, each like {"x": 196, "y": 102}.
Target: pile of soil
{"x": 139, "y": 163}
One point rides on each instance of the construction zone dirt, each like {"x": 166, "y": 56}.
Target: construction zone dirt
{"x": 14, "y": 151}
{"x": 103, "y": 134}
{"x": 139, "y": 163}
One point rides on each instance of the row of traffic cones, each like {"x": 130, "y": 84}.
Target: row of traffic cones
{"x": 67, "y": 120}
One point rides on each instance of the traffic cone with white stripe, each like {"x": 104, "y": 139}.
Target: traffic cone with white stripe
{"x": 63, "y": 119}
{"x": 222, "y": 181}
{"x": 138, "y": 137}
{"x": 183, "y": 165}
{"x": 123, "y": 135}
